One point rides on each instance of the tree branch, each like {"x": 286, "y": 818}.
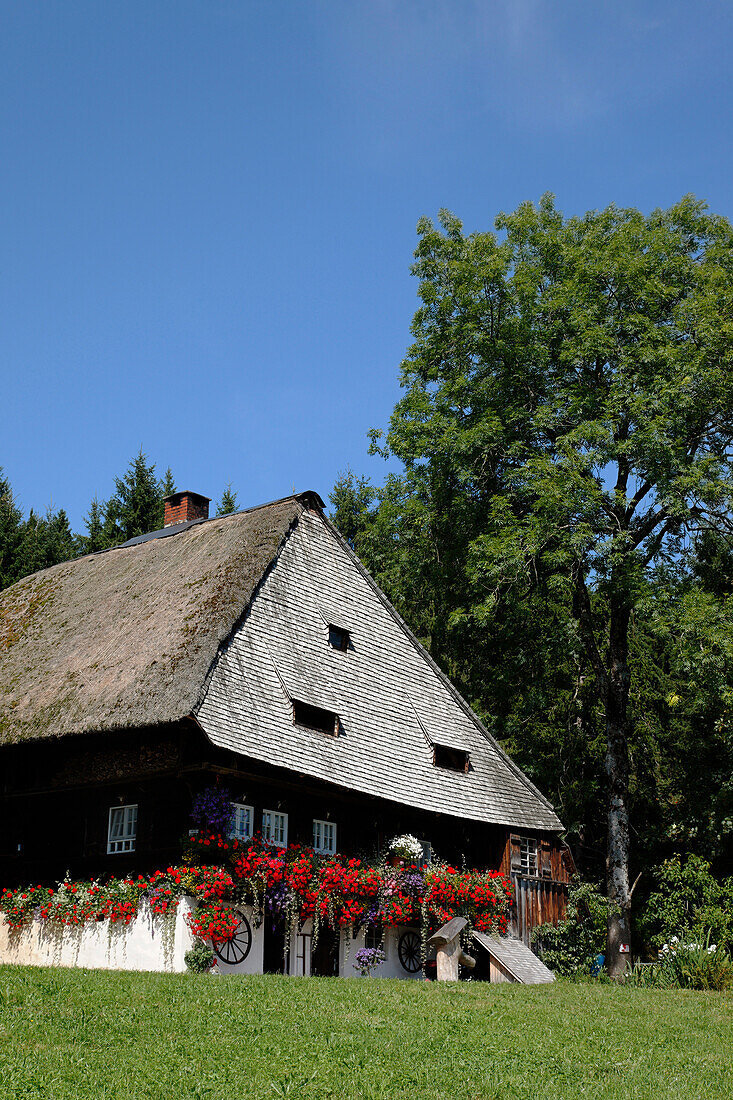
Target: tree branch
{"x": 645, "y": 527}
{"x": 637, "y": 498}
{"x": 583, "y": 613}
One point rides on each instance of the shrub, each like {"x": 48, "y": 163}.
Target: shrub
{"x": 199, "y": 958}
{"x": 572, "y": 946}
{"x": 686, "y": 966}
{"x": 687, "y": 900}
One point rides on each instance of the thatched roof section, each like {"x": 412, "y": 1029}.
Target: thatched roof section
{"x": 127, "y": 637}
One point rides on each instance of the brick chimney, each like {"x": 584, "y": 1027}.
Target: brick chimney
{"x": 185, "y": 507}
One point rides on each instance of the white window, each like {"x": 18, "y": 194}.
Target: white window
{"x": 275, "y": 828}
{"x": 528, "y": 855}
{"x": 324, "y": 837}
{"x": 374, "y": 936}
{"x": 241, "y": 828}
{"x": 122, "y": 830}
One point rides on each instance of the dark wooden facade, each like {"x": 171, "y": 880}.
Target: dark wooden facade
{"x": 55, "y": 800}
{"x": 540, "y": 897}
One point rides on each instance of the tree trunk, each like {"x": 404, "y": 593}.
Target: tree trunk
{"x": 618, "y": 943}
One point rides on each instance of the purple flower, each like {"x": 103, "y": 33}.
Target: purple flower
{"x": 412, "y": 883}
{"x": 366, "y": 959}
{"x": 276, "y": 903}
{"x": 212, "y": 810}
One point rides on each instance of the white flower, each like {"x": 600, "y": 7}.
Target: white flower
{"x": 407, "y": 846}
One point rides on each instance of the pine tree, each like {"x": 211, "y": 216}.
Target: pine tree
{"x": 94, "y": 520}
{"x": 135, "y": 508}
{"x": 44, "y": 541}
{"x": 167, "y": 488}
{"x": 167, "y": 485}
{"x": 228, "y": 502}
{"x": 10, "y": 521}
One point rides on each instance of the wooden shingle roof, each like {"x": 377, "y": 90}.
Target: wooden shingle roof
{"x": 227, "y": 619}
{"x": 393, "y": 703}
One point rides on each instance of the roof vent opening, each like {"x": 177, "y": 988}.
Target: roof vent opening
{"x": 456, "y": 760}
{"x": 315, "y": 718}
{"x": 338, "y": 638}
{"x": 185, "y": 507}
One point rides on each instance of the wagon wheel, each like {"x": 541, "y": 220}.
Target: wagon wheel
{"x": 409, "y": 951}
{"x": 236, "y": 949}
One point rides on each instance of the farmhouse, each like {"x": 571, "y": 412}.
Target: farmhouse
{"x": 255, "y": 651}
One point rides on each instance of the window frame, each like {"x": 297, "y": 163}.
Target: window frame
{"x": 374, "y": 937}
{"x": 528, "y": 852}
{"x": 268, "y": 839}
{"x": 236, "y": 806}
{"x": 127, "y": 840}
{"x": 332, "y": 827}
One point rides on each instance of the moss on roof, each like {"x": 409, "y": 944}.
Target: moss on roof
{"x": 127, "y": 637}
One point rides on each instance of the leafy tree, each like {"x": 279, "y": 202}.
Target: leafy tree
{"x": 688, "y": 902}
{"x": 566, "y": 426}
{"x": 352, "y": 498}
{"x": 228, "y": 502}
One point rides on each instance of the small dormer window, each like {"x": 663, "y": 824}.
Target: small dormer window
{"x": 455, "y": 760}
{"x": 338, "y": 638}
{"x": 315, "y": 718}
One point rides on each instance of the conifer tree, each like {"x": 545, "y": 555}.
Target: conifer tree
{"x": 44, "y": 541}
{"x": 10, "y": 521}
{"x": 167, "y": 488}
{"x": 95, "y": 539}
{"x": 228, "y": 502}
{"x": 135, "y": 507}
{"x": 167, "y": 485}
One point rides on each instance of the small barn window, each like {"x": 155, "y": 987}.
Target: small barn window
{"x": 275, "y": 828}
{"x": 528, "y": 855}
{"x": 241, "y": 821}
{"x": 324, "y": 837}
{"x": 122, "y": 829}
{"x": 338, "y": 638}
{"x": 456, "y": 760}
{"x": 315, "y": 718}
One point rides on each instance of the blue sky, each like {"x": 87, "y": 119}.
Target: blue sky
{"x": 208, "y": 208}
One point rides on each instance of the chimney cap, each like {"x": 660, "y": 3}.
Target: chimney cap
{"x": 186, "y": 493}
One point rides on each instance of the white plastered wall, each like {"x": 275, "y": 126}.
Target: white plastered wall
{"x": 148, "y": 943}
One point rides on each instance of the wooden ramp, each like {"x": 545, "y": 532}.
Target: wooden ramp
{"x": 512, "y": 961}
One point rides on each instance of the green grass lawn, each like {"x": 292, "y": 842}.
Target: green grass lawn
{"x": 83, "y": 1034}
